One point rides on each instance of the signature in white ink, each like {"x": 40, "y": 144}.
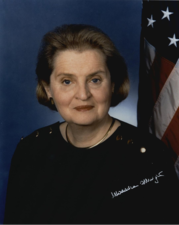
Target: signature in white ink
{"x": 158, "y": 175}
{"x": 116, "y": 193}
{"x": 155, "y": 179}
{"x": 145, "y": 181}
{"x": 142, "y": 182}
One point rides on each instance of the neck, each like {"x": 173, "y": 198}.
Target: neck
{"x": 83, "y": 136}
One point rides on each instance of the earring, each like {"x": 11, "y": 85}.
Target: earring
{"x": 51, "y": 101}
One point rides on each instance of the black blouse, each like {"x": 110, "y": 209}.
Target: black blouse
{"x": 129, "y": 178}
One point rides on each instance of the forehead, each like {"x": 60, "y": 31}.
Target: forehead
{"x": 68, "y": 60}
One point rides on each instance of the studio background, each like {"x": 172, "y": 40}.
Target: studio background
{"x": 22, "y": 25}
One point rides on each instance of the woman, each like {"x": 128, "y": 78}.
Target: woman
{"x": 91, "y": 168}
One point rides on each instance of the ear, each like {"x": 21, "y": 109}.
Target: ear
{"x": 113, "y": 86}
{"x": 47, "y": 89}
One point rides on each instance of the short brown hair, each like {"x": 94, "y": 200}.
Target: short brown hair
{"x": 80, "y": 37}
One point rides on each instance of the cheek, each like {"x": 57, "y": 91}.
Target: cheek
{"x": 103, "y": 96}
{"x": 61, "y": 98}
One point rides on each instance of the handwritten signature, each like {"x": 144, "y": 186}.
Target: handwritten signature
{"x": 142, "y": 182}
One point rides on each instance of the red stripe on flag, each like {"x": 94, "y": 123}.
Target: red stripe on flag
{"x": 171, "y": 135}
{"x": 160, "y": 71}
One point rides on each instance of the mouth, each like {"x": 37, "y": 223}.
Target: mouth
{"x": 84, "y": 107}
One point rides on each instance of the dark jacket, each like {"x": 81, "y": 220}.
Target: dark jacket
{"x": 129, "y": 178}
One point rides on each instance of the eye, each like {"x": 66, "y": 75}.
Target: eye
{"x": 95, "y": 80}
{"x": 67, "y": 82}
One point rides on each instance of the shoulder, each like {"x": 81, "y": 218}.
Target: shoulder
{"x": 145, "y": 153}
{"x": 35, "y": 144}
{"x": 140, "y": 138}
{"x": 43, "y": 132}
{"x": 40, "y": 136}
{"x": 143, "y": 145}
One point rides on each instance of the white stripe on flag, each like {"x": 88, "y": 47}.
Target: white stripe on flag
{"x": 167, "y": 103}
{"x": 149, "y": 51}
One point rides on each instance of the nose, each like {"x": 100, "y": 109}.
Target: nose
{"x": 83, "y": 92}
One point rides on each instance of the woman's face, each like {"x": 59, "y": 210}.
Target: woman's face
{"x": 80, "y": 86}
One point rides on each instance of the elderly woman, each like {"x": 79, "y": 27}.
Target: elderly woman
{"x": 92, "y": 168}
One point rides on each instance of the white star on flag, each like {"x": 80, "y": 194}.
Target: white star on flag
{"x": 173, "y": 41}
{"x": 151, "y": 21}
{"x": 166, "y": 14}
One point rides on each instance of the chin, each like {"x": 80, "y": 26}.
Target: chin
{"x": 85, "y": 121}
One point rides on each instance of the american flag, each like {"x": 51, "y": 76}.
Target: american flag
{"x": 158, "y": 104}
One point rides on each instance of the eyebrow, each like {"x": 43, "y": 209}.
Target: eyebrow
{"x": 72, "y": 75}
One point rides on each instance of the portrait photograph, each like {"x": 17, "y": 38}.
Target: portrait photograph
{"x": 89, "y": 111}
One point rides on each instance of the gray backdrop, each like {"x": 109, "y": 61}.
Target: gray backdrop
{"x": 22, "y": 25}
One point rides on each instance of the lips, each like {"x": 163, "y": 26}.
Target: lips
{"x": 84, "y": 107}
